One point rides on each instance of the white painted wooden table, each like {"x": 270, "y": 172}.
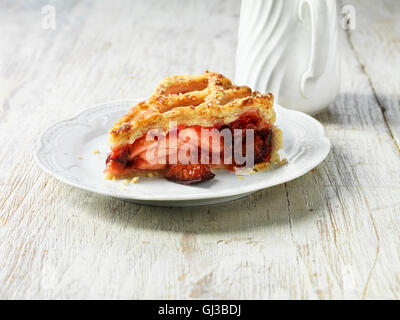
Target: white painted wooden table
{"x": 333, "y": 233}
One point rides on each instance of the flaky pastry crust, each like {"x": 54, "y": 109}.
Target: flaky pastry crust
{"x": 204, "y": 100}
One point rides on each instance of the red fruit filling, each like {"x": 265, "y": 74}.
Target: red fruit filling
{"x": 150, "y": 155}
{"x": 189, "y": 173}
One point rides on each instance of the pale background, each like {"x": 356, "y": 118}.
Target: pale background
{"x": 333, "y": 233}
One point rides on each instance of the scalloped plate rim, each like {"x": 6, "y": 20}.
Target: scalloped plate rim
{"x": 245, "y": 189}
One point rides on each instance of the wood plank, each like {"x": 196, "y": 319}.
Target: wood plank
{"x": 329, "y": 234}
{"x": 376, "y": 44}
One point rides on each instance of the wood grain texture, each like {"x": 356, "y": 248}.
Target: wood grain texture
{"x": 331, "y": 234}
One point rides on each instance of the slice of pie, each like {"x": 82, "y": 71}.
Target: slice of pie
{"x": 192, "y": 125}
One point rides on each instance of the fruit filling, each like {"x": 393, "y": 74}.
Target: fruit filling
{"x": 186, "y": 154}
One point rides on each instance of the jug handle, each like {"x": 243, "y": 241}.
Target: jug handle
{"x": 315, "y": 66}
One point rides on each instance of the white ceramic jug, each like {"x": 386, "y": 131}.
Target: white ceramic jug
{"x": 289, "y": 48}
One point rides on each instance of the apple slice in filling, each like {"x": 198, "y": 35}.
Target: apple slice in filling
{"x": 163, "y": 155}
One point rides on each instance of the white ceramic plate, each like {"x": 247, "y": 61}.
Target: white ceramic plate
{"x": 66, "y": 148}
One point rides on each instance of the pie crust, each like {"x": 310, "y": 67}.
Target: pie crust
{"x": 179, "y": 102}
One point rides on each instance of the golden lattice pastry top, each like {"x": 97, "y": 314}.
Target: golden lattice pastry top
{"x": 202, "y": 100}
